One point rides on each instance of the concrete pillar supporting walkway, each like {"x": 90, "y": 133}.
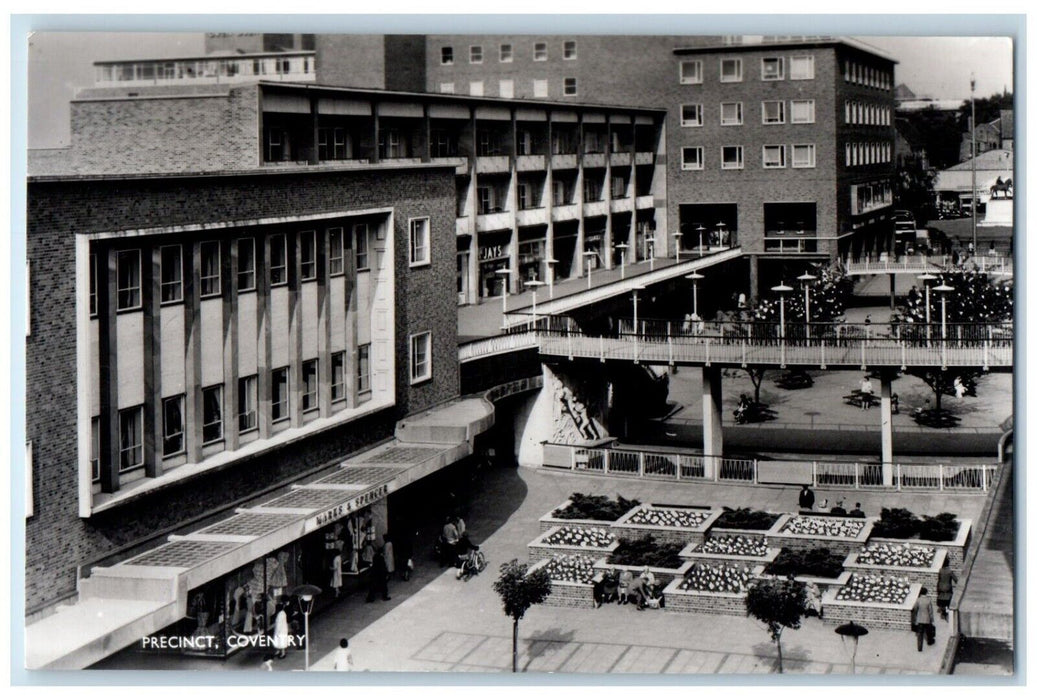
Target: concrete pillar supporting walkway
{"x": 712, "y": 418}
{"x": 886, "y": 417}
{"x": 892, "y": 291}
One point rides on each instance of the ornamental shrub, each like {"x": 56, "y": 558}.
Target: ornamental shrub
{"x": 902, "y": 524}
{"x": 941, "y": 528}
{"x": 815, "y": 562}
{"x": 583, "y": 507}
{"x": 647, "y": 552}
{"x": 746, "y": 519}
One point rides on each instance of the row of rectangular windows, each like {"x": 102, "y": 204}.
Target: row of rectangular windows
{"x": 868, "y": 114}
{"x": 131, "y": 420}
{"x": 868, "y": 153}
{"x": 771, "y": 112}
{"x": 506, "y": 88}
{"x": 866, "y": 75}
{"x": 506, "y": 52}
{"x": 128, "y": 263}
{"x": 771, "y": 68}
{"x": 804, "y": 155}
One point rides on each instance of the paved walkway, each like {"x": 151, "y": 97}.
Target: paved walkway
{"x": 437, "y": 623}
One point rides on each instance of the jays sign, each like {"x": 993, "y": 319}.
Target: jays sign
{"x": 343, "y": 509}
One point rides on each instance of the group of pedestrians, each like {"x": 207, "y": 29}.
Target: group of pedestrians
{"x": 923, "y": 621}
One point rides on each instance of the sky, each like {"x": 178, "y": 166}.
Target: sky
{"x": 60, "y": 63}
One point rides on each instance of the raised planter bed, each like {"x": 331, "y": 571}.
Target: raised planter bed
{"x": 804, "y": 532}
{"x": 569, "y": 539}
{"x": 917, "y": 563}
{"x": 575, "y": 591}
{"x": 551, "y": 520}
{"x": 730, "y": 549}
{"x": 955, "y": 548}
{"x": 667, "y": 524}
{"x": 894, "y": 613}
{"x": 662, "y": 576}
{"x": 691, "y": 593}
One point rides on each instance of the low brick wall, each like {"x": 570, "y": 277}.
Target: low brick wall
{"x": 549, "y": 521}
{"x": 691, "y": 554}
{"x": 567, "y": 594}
{"x": 806, "y": 542}
{"x": 539, "y": 549}
{"x": 680, "y": 601}
{"x": 927, "y": 577}
{"x": 662, "y": 576}
{"x": 880, "y": 615}
{"x": 625, "y": 529}
{"x": 956, "y": 548}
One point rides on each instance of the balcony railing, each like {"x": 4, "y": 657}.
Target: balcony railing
{"x": 531, "y": 216}
{"x": 620, "y": 159}
{"x": 492, "y": 164}
{"x": 563, "y": 161}
{"x": 564, "y": 212}
{"x": 885, "y": 263}
{"x": 594, "y": 160}
{"x": 531, "y": 162}
{"x": 595, "y": 208}
{"x": 644, "y": 157}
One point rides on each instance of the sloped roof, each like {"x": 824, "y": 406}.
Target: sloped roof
{"x": 997, "y": 159}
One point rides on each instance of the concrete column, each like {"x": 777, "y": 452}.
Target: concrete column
{"x": 712, "y": 418}
{"x": 886, "y": 418}
{"x": 754, "y": 278}
{"x": 151, "y": 296}
{"x": 108, "y": 366}
{"x": 229, "y": 289}
{"x": 892, "y": 291}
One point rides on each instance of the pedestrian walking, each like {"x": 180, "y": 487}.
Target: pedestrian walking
{"x": 336, "y": 569}
{"x": 379, "y": 581}
{"x": 806, "y": 498}
{"x": 922, "y": 619}
{"x": 343, "y": 660}
{"x": 945, "y": 589}
{"x": 389, "y": 555}
{"x": 867, "y": 392}
{"x": 281, "y": 631}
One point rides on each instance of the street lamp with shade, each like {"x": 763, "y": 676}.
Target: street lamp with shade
{"x": 701, "y": 229}
{"x": 306, "y": 594}
{"x": 720, "y": 232}
{"x": 781, "y": 289}
{"x": 678, "y": 236}
{"x": 650, "y": 242}
{"x": 551, "y": 262}
{"x": 622, "y": 248}
{"x": 590, "y": 255}
{"x": 854, "y": 631}
{"x": 503, "y": 271}
{"x": 943, "y": 289}
{"x": 807, "y": 279}
{"x": 926, "y": 279}
{"x": 535, "y": 284}
{"x": 695, "y": 277}
{"x": 636, "y": 289}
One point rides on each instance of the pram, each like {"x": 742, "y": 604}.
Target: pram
{"x": 471, "y": 561}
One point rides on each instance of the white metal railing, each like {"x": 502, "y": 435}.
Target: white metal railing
{"x": 927, "y": 263}
{"x": 495, "y": 345}
{"x": 655, "y": 464}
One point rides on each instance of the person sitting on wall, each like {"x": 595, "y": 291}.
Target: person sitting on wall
{"x": 857, "y": 512}
{"x": 839, "y": 509}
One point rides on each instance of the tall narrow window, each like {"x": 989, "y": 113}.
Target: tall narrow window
{"x": 507, "y": 88}
{"x": 131, "y": 438}
{"x": 246, "y": 264}
{"x": 172, "y": 273}
{"x": 505, "y": 53}
{"x": 128, "y": 271}
{"x": 336, "y": 241}
{"x": 338, "y": 376}
{"x": 308, "y": 255}
{"x": 360, "y": 235}
{"x": 475, "y": 54}
{"x": 93, "y": 284}
{"x": 278, "y": 260}
{"x": 691, "y": 115}
{"x": 446, "y": 56}
{"x": 247, "y": 396}
{"x": 279, "y": 394}
{"x": 569, "y": 50}
{"x": 569, "y": 86}
{"x": 210, "y": 272}
{"x": 540, "y": 88}
{"x": 95, "y": 448}
{"x": 420, "y": 357}
{"x": 419, "y": 242}
{"x": 309, "y": 385}
{"x": 540, "y": 51}
{"x": 363, "y": 368}
{"x": 212, "y": 414}
{"x": 172, "y": 425}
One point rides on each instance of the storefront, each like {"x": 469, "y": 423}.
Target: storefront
{"x": 532, "y": 253}
{"x": 494, "y": 254}
{"x": 594, "y": 243}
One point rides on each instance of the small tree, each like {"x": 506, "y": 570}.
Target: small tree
{"x": 519, "y": 591}
{"x": 828, "y": 297}
{"x": 756, "y": 373}
{"x": 779, "y": 605}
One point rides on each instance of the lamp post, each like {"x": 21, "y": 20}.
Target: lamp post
{"x": 678, "y": 236}
{"x": 589, "y": 255}
{"x": 651, "y": 252}
{"x": 720, "y": 232}
{"x": 854, "y": 631}
{"x": 622, "y": 248}
{"x": 551, "y": 262}
{"x": 781, "y": 289}
{"x": 504, "y": 272}
{"x": 943, "y": 289}
{"x": 695, "y": 277}
{"x": 306, "y": 593}
{"x": 972, "y": 91}
{"x": 701, "y": 229}
{"x": 638, "y": 288}
{"x": 807, "y": 279}
{"x": 535, "y": 284}
{"x": 926, "y": 278}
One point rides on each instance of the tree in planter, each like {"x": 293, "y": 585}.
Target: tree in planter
{"x": 520, "y": 590}
{"x": 828, "y": 297}
{"x": 779, "y": 604}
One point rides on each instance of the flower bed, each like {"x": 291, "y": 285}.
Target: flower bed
{"x": 955, "y": 548}
{"x": 746, "y": 519}
{"x": 574, "y": 568}
{"x": 818, "y": 563}
{"x": 712, "y": 589}
{"x": 730, "y": 549}
{"x": 573, "y": 539}
{"x": 564, "y": 515}
{"x": 917, "y": 563}
{"x": 873, "y": 601}
{"x": 670, "y": 524}
{"x": 804, "y": 532}
{"x": 566, "y": 593}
